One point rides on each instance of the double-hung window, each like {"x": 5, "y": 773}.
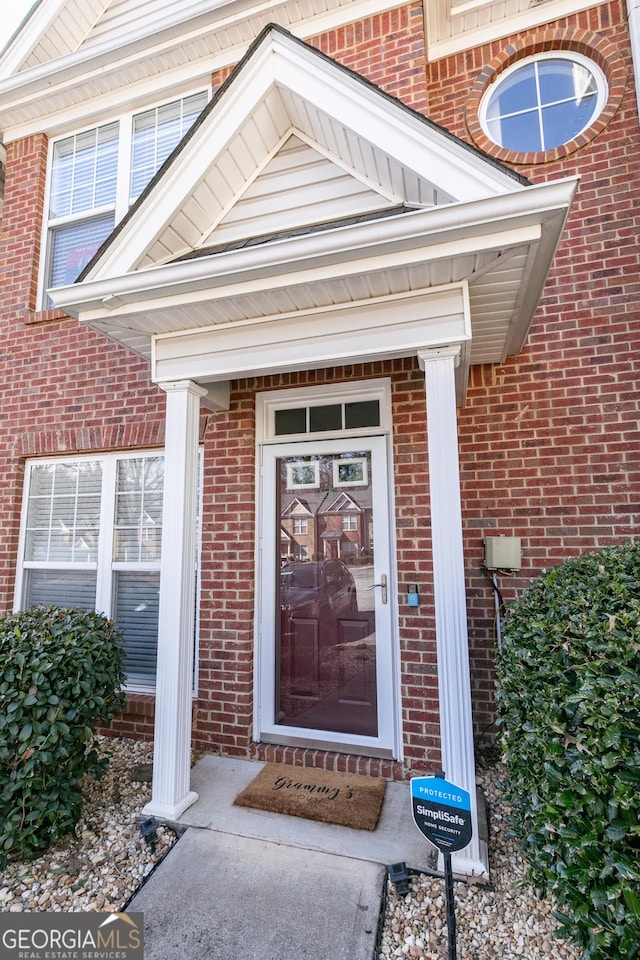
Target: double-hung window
{"x": 91, "y": 538}
{"x": 95, "y": 175}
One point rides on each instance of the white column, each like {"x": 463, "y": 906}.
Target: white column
{"x": 171, "y": 794}
{"x": 454, "y": 683}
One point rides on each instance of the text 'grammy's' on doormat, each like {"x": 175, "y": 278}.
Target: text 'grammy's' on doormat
{"x": 341, "y": 798}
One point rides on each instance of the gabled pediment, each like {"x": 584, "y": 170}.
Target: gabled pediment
{"x": 343, "y": 504}
{"x": 284, "y": 89}
{"x": 297, "y": 508}
{"x": 307, "y": 219}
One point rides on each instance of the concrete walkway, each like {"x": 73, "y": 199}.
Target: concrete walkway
{"x": 246, "y": 884}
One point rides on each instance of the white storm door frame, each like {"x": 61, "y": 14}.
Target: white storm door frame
{"x": 388, "y": 741}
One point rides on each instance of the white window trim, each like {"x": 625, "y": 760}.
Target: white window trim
{"x": 104, "y": 566}
{"x": 323, "y": 394}
{"x": 122, "y": 200}
{"x": 557, "y": 54}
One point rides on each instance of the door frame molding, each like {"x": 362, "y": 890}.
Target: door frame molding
{"x": 266, "y": 404}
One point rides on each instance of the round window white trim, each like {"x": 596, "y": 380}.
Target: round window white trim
{"x": 568, "y": 55}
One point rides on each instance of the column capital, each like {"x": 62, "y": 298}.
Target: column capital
{"x": 182, "y": 386}
{"x": 450, "y": 352}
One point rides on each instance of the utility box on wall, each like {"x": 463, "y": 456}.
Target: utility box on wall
{"x": 502, "y": 553}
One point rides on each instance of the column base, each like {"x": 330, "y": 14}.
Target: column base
{"x": 169, "y": 811}
{"x": 465, "y": 866}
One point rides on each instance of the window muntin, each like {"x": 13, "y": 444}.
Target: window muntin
{"x": 138, "y": 510}
{"x": 155, "y": 133}
{"x": 96, "y": 174}
{"x": 84, "y": 170}
{"x": 63, "y": 514}
{"x": 92, "y": 534}
{"x": 325, "y": 417}
{"x": 543, "y": 102}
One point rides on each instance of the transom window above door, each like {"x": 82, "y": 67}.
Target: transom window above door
{"x": 95, "y": 175}
{"x": 543, "y": 102}
{"x": 361, "y": 407}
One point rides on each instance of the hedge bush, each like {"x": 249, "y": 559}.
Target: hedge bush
{"x": 569, "y": 713}
{"x": 61, "y": 674}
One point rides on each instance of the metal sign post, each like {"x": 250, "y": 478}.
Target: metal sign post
{"x": 442, "y": 813}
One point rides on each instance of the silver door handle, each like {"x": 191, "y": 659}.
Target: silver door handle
{"x": 382, "y": 585}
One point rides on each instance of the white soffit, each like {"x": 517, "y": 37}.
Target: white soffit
{"x": 455, "y": 25}
{"x": 78, "y": 62}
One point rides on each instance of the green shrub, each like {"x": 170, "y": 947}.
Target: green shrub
{"x": 569, "y": 710}
{"x": 61, "y": 674}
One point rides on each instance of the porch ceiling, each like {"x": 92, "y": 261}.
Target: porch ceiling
{"x": 502, "y": 247}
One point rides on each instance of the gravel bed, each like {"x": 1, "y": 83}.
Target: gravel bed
{"x": 503, "y": 920}
{"x": 107, "y": 859}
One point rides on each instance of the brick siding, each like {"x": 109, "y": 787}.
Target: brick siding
{"x": 548, "y": 440}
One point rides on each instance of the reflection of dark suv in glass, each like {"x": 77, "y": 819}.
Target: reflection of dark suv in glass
{"x": 323, "y": 590}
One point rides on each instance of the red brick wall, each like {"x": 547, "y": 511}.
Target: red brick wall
{"x": 64, "y": 387}
{"x": 548, "y": 441}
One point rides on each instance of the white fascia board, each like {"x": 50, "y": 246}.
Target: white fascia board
{"x": 491, "y": 223}
{"x": 33, "y": 86}
{"x": 42, "y": 16}
{"x": 227, "y": 275}
{"x": 389, "y": 327}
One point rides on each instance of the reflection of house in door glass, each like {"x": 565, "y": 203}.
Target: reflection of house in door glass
{"x": 326, "y": 510}
{"x": 326, "y": 636}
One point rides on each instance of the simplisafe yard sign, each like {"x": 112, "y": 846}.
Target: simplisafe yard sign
{"x": 442, "y": 812}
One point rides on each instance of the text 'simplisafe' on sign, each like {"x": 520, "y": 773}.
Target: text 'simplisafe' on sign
{"x": 442, "y": 813}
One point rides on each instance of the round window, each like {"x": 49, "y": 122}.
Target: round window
{"x": 543, "y": 102}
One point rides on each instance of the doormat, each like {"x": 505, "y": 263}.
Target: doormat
{"x": 350, "y": 801}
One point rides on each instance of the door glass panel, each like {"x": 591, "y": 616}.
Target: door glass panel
{"x": 325, "y": 631}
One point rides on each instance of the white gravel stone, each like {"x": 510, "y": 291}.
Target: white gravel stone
{"x": 102, "y": 865}
{"x": 504, "y": 920}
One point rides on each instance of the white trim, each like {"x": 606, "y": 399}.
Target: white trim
{"x": 357, "y": 331}
{"x": 442, "y": 42}
{"x": 457, "y": 229}
{"x": 633, "y": 13}
{"x": 454, "y": 682}
{"x": 559, "y": 53}
{"x": 267, "y": 403}
{"x": 266, "y": 727}
{"x": 357, "y": 392}
{"x": 171, "y": 793}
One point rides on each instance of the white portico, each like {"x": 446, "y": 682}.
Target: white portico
{"x": 309, "y": 220}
